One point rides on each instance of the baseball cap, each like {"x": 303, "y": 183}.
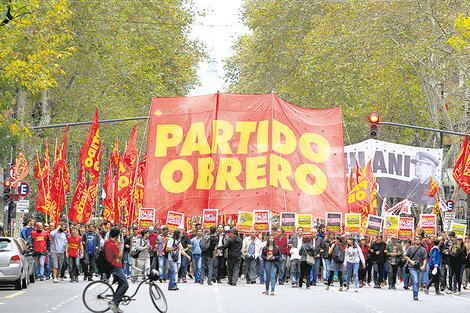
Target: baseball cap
{"x": 459, "y": 237}
{"x": 151, "y": 228}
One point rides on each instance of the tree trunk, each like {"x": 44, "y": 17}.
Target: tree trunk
{"x": 45, "y": 108}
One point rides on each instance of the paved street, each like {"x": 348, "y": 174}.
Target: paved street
{"x": 46, "y": 297}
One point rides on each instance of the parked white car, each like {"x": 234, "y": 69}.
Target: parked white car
{"x": 16, "y": 263}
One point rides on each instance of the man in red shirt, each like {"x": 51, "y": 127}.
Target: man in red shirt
{"x": 153, "y": 247}
{"x": 114, "y": 256}
{"x": 39, "y": 241}
{"x": 281, "y": 242}
{"x": 74, "y": 250}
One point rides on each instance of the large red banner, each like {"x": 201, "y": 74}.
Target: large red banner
{"x": 236, "y": 152}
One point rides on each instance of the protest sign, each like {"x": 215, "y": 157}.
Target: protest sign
{"x": 209, "y": 218}
{"x": 146, "y": 217}
{"x": 174, "y": 220}
{"x": 333, "y": 222}
{"x": 391, "y": 225}
{"x": 245, "y": 222}
{"x": 406, "y": 227}
{"x": 305, "y": 221}
{"x": 374, "y": 225}
{"x": 261, "y": 221}
{"x": 352, "y": 223}
{"x": 288, "y": 223}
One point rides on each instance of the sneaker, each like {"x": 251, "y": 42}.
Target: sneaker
{"x": 55, "y": 280}
{"x": 415, "y": 298}
{"x": 439, "y": 293}
{"x": 41, "y": 279}
{"x": 340, "y": 289}
{"x": 62, "y": 278}
{"x": 426, "y": 291}
{"x": 209, "y": 282}
{"x": 173, "y": 288}
{"x": 327, "y": 287}
{"x": 406, "y": 287}
{"x": 356, "y": 290}
{"x": 266, "y": 292}
{"x": 272, "y": 293}
{"x": 219, "y": 281}
{"x": 449, "y": 292}
{"x": 113, "y": 307}
{"x": 72, "y": 280}
{"x": 459, "y": 293}
{"x": 184, "y": 280}
{"x": 281, "y": 283}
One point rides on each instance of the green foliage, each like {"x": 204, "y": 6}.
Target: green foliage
{"x": 366, "y": 56}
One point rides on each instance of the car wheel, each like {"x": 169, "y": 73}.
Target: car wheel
{"x": 24, "y": 282}
{"x": 32, "y": 279}
{"x": 18, "y": 284}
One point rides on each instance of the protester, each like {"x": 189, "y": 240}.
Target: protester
{"x": 416, "y": 256}
{"x": 222, "y": 255}
{"x": 153, "y": 247}
{"x": 27, "y": 230}
{"x": 91, "y": 242}
{"x": 260, "y": 268}
{"x": 174, "y": 250}
{"x": 364, "y": 268}
{"x": 196, "y": 253}
{"x": 74, "y": 250}
{"x": 114, "y": 256}
{"x": 317, "y": 243}
{"x": 58, "y": 244}
{"x": 281, "y": 243}
{"x": 250, "y": 249}
{"x": 406, "y": 266}
{"x": 208, "y": 257}
{"x": 186, "y": 243}
{"x": 326, "y": 256}
{"x": 434, "y": 265}
{"x": 234, "y": 246}
{"x": 125, "y": 251}
{"x": 143, "y": 245}
{"x": 336, "y": 250}
{"x": 394, "y": 255}
{"x": 377, "y": 255}
{"x": 271, "y": 255}
{"x": 454, "y": 253}
{"x": 307, "y": 250}
{"x": 354, "y": 257}
{"x": 40, "y": 242}
{"x": 295, "y": 244}
{"x": 162, "y": 240}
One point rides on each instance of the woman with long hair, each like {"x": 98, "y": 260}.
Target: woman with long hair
{"x": 271, "y": 255}
{"x": 455, "y": 265}
{"x": 354, "y": 255}
{"x": 261, "y": 273}
{"x": 305, "y": 268}
{"x": 336, "y": 251}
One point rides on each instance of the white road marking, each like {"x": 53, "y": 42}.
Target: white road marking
{"x": 357, "y": 301}
{"x": 219, "y": 300}
{"x": 460, "y": 297}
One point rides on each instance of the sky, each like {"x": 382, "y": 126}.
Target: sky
{"x": 218, "y": 29}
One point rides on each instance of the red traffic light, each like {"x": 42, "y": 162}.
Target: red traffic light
{"x": 374, "y": 118}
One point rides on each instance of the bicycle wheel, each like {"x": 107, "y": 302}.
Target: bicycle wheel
{"x": 158, "y": 298}
{"x": 97, "y": 295}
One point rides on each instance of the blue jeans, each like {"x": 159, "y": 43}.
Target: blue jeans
{"x": 262, "y": 276}
{"x": 40, "y": 260}
{"x": 163, "y": 266}
{"x": 295, "y": 271}
{"x": 48, "y": 266}
{"x": 282, "y": 270}
{"x": 326, "y": 269}
{"x": 123, "y": 285}
{"x": 173, "y": 275}
{"x": 406, "y": 278}
{"x": 352, "y": 269}
{"x": 416, "y": 276}
{"x": 426, "y": 275}
{"x": 184, "y": 267}
{"x": 125, "y": 262}
{"x": 74, "y": 265}
{"x": 270, "y": 270}
{"x": 197, "y": 266}
{"x": 315, "y": 271}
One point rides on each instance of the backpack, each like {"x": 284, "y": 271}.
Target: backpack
{"x": 205, "y": 242}
{"x": 103, "y": 265}
{"x": 135, "y": 253}
{"x": 338, "y": 254}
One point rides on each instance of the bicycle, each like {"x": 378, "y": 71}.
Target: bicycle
{"x": 98, "y": 294}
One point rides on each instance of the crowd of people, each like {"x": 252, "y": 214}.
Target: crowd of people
{"x": 268, "y": 258}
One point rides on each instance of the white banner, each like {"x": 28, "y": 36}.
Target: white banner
{"x": 401, "y": 171}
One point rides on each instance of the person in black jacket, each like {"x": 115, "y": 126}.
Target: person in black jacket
{"x": 208, "y": 257}
{"x": 272, "y": 257}
{"x": 317, "y": 243}
{"x": 377, "y": 255}
{"x": 454, "y": 253}
{"x": 305, "y": 268}
{"x": 234, "y": 246}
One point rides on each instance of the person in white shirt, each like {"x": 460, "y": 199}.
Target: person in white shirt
{"x": 353, "y": 256}
{"x": 251, "y": 249}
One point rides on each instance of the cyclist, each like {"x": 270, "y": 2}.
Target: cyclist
{"x": 114, "y": 256}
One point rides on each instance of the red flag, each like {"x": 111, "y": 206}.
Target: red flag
{"x": 56, "y": 151}
{"x": 433, "y": 188}
{"x": 44, "y": 193}
{"x": 37, "y": 168}
{"x": 131, "y": 154}
{"x": 358, "y": 172}
{"x": 123, "y": 188}
{"x": 138, "y": 194}
{"x": 65, "y": 166}
{"x": 115, "y": 156}
{"x": 21, "y": 170}
{"x": 79, "y": 198}
{"x": 460, "y": 163}
{"x": 92, "y": 189}
{"x": 89, "y": 153}
{"x": 108, "y": 213}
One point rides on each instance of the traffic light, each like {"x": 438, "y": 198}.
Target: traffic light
{"x": 373, "y": 120}
{"x": 6, "y": 190}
